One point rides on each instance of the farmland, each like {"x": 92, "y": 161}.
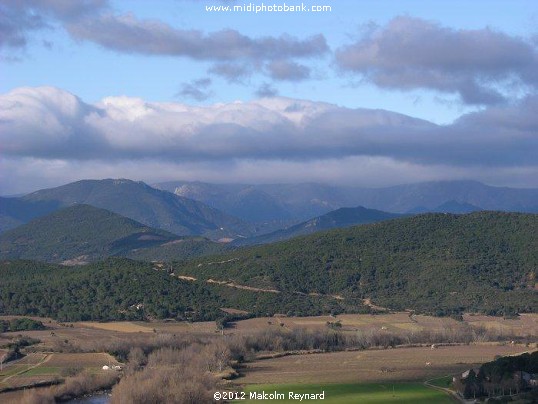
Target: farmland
{"x": 525, "y": 325}
{"x": 83, "y": 335}
{"x": 90, "y": 335}
{"x": 49, "y": 366}
{"x": 372, "y": 376}
{"x": 369, "y": 366}
{"x": 364, "y": 393}
{"x": 65, "y": 350}
{"x": 151, "y": 327}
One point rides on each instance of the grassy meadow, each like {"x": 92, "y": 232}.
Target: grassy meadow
{"x": 367, "y": 393}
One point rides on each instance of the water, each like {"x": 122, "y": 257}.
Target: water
{"x": 97, "y": 399}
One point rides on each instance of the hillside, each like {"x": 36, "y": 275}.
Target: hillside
{"x": 15, "y": 211}
{"x": 433, "y": 263}
{"x": 83, "y": 233}
{"x": 121, "y": 289}
{"x": 343, "y": 217}
{"x": 183, "y": 248}
{"x": 147, "y": 205}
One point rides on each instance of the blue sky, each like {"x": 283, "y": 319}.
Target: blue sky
{"x": 450, "y": 64}
{"x": 93, "y": 72}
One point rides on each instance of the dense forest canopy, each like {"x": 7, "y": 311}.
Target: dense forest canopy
{"x": 122, "y": 289}
{"x": 439, "y": 264}
{"x": 434, "y": 263}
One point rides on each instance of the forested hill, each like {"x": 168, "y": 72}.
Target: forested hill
{"x": 122, "y": 289}
{"x": 83, "y": 233}
{"x": 436, "y": 263}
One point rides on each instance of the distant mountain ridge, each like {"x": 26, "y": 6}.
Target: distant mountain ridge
{"x": 432, "y": 195}
{"x": 227, "y": 212}
{"x": 140, "y": 202}
{"x": 283, "y": 203}
{"x": 448, "y": 207}
{"x": 299, "y": 202}
{"x": 340, "y": 218}
{"x": 15, "y": 211}
{"x": 245, "y": 201}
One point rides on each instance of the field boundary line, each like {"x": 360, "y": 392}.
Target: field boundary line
{"x": 44, "y": 360}
{"x": 451, "y": 393}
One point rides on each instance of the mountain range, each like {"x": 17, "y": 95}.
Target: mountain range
{"x": 254, "y": 214}
{"x": 82, "y": 233}
{"x": 299, "y": 202}
{"x": 339, "y": 218}
{"x": 135, "y": 200}
{"x": 15, "y": 211}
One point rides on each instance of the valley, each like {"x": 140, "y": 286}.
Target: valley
{"x": 217, "y": 202}
{"x": 66, "y": 352}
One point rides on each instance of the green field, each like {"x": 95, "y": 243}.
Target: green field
{"x": 415, "y": 393}
{"x": 11, "y": 370}
{"x": 444, "y": 382}
{"x": 42, "y": 370}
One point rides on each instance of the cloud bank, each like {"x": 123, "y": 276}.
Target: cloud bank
{"x": 410, "y": 53}
{"x": 55, "y": 127}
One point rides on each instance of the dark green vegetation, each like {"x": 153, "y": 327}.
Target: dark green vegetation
{"x": 82, "y": 233}
{"x": 355, "y": 393}
{"x": 119, "y": 289}
{"x": 506, "y": 375}
{"x": 504, "y": 366}
{"x": 434, "y": 263}
{"x": 139, "y": 202}
{"x": 439, "y": 264}
{"x": 184, "y": 248}
{"x": 20, "y": 324}
{"x": 343, "y": 217}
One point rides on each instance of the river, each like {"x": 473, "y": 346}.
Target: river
{"x": 97, "y": 399}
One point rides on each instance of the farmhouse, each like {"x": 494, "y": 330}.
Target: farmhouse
{"x": 112, "y": 367}
{"x": 466, "y": 374}
{"x": 528, "y": 379}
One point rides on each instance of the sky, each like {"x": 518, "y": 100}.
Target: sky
{"x": 366, "y": 93}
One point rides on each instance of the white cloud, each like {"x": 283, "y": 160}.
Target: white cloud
{"x": 482, "y": 66}
{"x": 54, "y": 131}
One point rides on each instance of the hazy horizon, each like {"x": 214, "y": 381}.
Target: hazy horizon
{"x": 351, "y": 186}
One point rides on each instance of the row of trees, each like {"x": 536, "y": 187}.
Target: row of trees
{"x": 503, "y": 376}
{"x": 20, "y": 324}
